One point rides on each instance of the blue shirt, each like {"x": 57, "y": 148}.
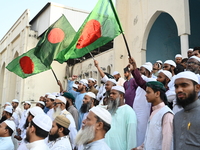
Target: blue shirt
{"x": 97, "y": 145}
{"x": 6, "y": 143}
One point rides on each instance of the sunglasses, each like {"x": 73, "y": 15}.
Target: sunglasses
{"x": 56, "y": 103}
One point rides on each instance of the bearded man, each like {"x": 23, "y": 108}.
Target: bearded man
{"x": 97, "y": 124}
{"x": 122, "y": 135}
{"x": 59, "y": 109}
{"x": 187, "y": 121}
{"x": 58, "y": 134}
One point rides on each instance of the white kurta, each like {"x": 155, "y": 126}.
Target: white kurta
{"x": 142, "y": 109}
{"x": 6, "y": 143}
{"x": 37, "y": 145}
{"x": 61, "y": 143}
{"x": 50, "y": 113}
{"x": 72, "y": 127}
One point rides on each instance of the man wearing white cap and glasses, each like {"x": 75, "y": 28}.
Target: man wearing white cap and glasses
{"x": 37, "y": 131}
{"x": 6, "y": 130}
{"x": 122, "y": 135}
{"x": 82, "y": 88}
{"x": 193, "y": 64}
{"x": 91, "y": 83}
{"x": 59, "y": 109}
{"x": 97, "y": 124}
{"x": 187, "y": 121}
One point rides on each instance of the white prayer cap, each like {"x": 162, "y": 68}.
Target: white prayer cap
{"x": 91, "y": 94}
{"x": 43, "y": 121}
{"x": 190, "y": 49}
{"x": 7, "y": 103}
{"x": 62, "y": 98}
{"x": 75, "y": 86}
{"x": 9, "y": 109}
{"x": 149, "y": 63}
{"x": 170, "y": 62}
{"x": 178, "y": 55}
{"x": 47, "y": 93}
{"x": 119, "y": 88}
{"x": 41, "y": 102}
{"x": 15, "y": 100}
{"x": 112, "y": 80}
{"x": 195, "y": 57}
{"x": 27, "y": 102}
{"x": 159, "y": 61}
{"x": 115, "y": 73}
{"x": 102, "y": 113}
{"x": 51, "y": 96}
{"x": 56, "y": 94}
{"x": 148, "y": 66}
{"x": 36, "y": 110}
{"x": 187, "y": 75}
{"x": 167, "y": 73}
{"x": 11, "y": 124}
{"x": 91, "y": 79}
{"x": 84, "y": 82}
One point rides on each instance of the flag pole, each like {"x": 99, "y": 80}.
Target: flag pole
{"x": 54, "y": 75}
{"x": 90, "y": 54}
{"x": 113, "y": 8}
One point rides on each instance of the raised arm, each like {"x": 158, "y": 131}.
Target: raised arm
{"x": 96, "y": 63}
{"x": 136, "y": 74}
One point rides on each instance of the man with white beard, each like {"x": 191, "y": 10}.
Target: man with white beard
{"x": 95, "y": 126}
{"x": 122, "y": 135}
{"x": 59, "y": 109}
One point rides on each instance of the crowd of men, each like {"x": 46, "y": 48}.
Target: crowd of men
{"x": 154, "y": 107}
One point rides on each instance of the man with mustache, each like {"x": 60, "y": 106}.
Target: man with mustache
{"x": 58, "y": 134}
{"x": 187, "y": 121}
{"x": 89, "y": 101}
{"x": 59, "y": 109}
{"x": 122, "y": 135}
{"x": 95, "y": 126}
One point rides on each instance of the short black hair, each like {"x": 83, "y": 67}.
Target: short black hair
{"x": 196, "y": 49}
{"x": 65, "y": 130}
{"x": 106, "y": 126}
{"x": 10, "y": 131}
{"x": 162, "y": 95}
{"x": 38, "y": 131}
{"x": 184, "y": 60}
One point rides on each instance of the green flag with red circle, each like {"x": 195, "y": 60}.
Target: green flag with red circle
{"x": 27, "y": 65}
{"x": 100, "y": 27}
{"x": 56, "y": 38}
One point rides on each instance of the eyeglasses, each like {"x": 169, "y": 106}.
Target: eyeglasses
{"x": 192, "y": 63}
{"x": 155, "y": 69}
{"x": 56, "y": 103}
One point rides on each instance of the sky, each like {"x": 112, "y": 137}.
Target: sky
{"x": 11, "y": 10}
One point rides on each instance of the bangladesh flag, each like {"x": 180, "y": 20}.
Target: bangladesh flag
{"x": 101, "y": 26}
{"x": 57, "y": 37}
{"x": 27, "y": 65}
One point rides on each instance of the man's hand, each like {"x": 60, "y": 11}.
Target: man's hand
{"x": 96, "y": 64}
{"x": 132, "y": 65}
{"x": 74, "y": 77}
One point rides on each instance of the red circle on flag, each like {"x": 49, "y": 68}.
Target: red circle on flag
{"x": 91, "y": 32}
{"x": 27, "y": 65}
{"x": 56, "y": 35}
